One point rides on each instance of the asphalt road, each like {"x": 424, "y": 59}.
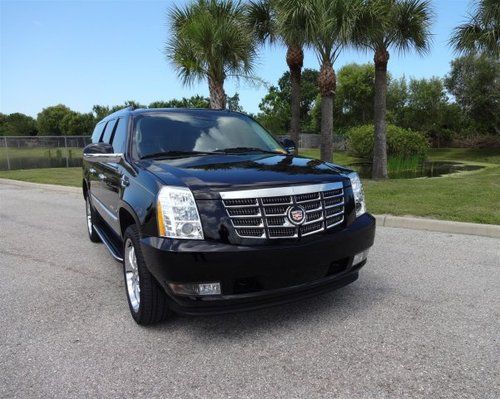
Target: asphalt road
{"x": 421, "y": 322}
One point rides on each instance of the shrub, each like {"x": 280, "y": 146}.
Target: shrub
{"x": 401, "y": 142}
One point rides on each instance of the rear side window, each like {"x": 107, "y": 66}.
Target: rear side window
{"x": 96, "y": 135}
{"x": 119, "y": 139}
{"x": 108, "y": 131}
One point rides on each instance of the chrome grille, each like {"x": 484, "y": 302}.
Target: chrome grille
{"x": 263, "y": 213}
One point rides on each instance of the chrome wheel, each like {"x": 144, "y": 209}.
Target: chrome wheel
{"x": 132, "y": 275}
{"x": 89, "y": 215}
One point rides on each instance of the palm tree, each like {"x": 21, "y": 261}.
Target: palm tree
{"x": 269, "y": 23}
{"x": 481, "y": 34}
{"x": 385, "y": 24}
{"x": 211, "y": 40}
{"x": 328, "y": 27}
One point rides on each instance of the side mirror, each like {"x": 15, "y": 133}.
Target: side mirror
{"x": 101, "y": 152}
{"x": 289, "y": 145}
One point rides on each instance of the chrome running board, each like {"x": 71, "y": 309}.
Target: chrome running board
{"x": 108, "y": 243}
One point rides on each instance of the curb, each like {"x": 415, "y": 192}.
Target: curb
{"x": 405, "y": 222}
{"x": 443, "y": 226}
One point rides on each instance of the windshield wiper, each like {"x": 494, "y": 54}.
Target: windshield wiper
{"x": 237, "y": 150}
{"x": 174, "y": 154}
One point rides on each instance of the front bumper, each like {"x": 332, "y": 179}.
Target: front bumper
{"x": 252, "y": 277}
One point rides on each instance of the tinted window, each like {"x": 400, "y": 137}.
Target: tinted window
{"x": 199, "y": 131}
{"x": 96, "y": 135}
{"x": 120, "y": 136}
{"x": 108, "y": 130}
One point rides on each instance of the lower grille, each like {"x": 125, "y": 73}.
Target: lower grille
{"x": 264, "y": 213}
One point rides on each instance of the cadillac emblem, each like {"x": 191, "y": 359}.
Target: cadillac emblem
{"x": 296, "y": 214}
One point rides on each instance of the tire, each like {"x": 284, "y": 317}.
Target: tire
{"x": 91, "y": 218}
{"x": 146, "y": 298}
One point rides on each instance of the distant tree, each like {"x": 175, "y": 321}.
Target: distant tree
{"x": 475, "y": 84}
{"x": 354, "y": 97}
{"x": 77, "y": 124}
{"x": 397, "y": 100}
{"x": 210, "y": 40}
{"x": 101, "y": 111}
{"x": 274, "y": 112}
{"x": 17, "y": 124}
{"x": 160, "y": 104}
{"x": 426, "y": 107}
{"x": 191, "y": 102}
{"x": 481, "y": 33}
{"x": 49, "y": 120}
{"x": 275, "y": 107}
{"x": 233, "y": 103}
{"x": 309, "y": 92}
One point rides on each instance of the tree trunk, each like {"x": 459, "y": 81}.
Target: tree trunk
{"x": 379, "y": 169}
{"x": 327, "y": 84}
{"x": 217, "y": 94}
{"x": 295, "y": 60}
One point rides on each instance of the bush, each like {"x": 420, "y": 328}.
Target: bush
{"x": 401, "y": 142}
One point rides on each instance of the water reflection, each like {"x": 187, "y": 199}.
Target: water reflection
{"x": 425, "y": 169}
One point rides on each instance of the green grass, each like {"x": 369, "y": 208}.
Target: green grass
{"x": 467, "y": 197}
{"x": 61, "y": 176}
{"x": 38, "y": 152}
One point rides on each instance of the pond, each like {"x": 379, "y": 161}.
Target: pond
{"x": 424, "y": 169}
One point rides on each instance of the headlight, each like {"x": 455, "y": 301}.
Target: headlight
{"x": 177, "y": 214}
{"x": 359, "y": 195}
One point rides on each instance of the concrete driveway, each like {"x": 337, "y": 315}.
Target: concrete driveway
{"x": 422, "y": 321}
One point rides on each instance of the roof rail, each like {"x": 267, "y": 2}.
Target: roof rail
{"x": 121, "y": 110}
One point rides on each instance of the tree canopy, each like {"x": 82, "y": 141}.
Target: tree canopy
{"x": 475, "y": 84}
{"x": 210, "y": 41}
{"x": 17, "y": 124}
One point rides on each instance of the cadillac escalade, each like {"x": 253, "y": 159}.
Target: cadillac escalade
{"x": 209, "y": 213}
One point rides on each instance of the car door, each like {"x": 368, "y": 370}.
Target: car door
{"x": 91, "y": 168}
{"x": 101, "y": 187}
{"x": 114, "y": 181}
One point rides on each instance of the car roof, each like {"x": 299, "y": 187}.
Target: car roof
{"x": 141, "y": 111}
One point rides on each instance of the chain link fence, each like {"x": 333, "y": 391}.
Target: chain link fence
{"x": 30, "y": 152}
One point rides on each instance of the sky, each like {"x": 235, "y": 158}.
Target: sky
{"x": 81, "y": 53}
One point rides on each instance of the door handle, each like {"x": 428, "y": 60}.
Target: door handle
{"x": 101, "y": 176}
{"x": 124, "y": 181}
{"x": 92, "y": 170}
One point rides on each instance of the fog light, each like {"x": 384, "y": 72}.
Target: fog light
{"x": 360, "y": 257}
{"x": 195, "y": 289}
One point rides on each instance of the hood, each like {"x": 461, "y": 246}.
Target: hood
{"x": 208, "y": 174}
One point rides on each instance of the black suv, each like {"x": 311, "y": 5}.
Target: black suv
{"x": 210, "y": 214}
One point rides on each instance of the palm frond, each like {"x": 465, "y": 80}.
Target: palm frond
{"x": 262, "y": 19}
{"x": 481, "y": 33}
{"x": 210, "y": 39}
{"x": 412, "y": 26}
{"x": 327, "y": 25}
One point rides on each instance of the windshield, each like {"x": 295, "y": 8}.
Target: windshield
{"x": 188, "y": 132}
